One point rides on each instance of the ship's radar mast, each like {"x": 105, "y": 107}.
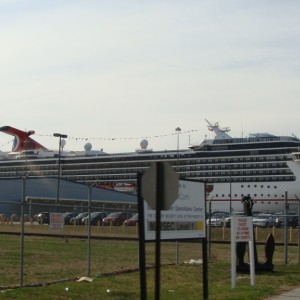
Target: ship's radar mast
{"x": 219, "y": 132}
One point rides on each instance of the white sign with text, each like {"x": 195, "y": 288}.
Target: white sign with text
{"x": 56, "y": 221}
{"x": 242, "y": 231}
{"x": 185, "y": 218}
{"x": 242, "y": 228}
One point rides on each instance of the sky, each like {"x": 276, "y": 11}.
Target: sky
{"x": 114, "y": 72}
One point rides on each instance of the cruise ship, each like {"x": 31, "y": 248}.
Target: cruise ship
{"x": 263, "y": 166}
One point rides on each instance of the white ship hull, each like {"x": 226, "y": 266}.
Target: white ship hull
{"x": 269, "y": 197}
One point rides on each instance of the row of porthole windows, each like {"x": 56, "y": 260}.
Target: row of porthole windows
{"x": 262, "y": 186}
{"x": 247, "y": 179}
{"x": 255, "y": 195}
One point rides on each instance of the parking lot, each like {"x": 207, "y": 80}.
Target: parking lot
{"x": 264, "y": 220}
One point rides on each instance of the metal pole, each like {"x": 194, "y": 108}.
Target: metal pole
{"x": 209, "y": 228}
{"x": 285, "y": 230}
{"x": 230, "y": 204}
{"x": 141, "y": 228}
{"x": 22, "y": 233}
{"x": 60, "y": 136}
{"x": 178, "y": 129}
{"x": 89, "y": 228}
{"x": 89, "y": 232}
{"x": 177, "y": 252}
{"x": 58, "y": 174}
{"x": 159, "y": 200}
{"x": 298, "y": 229}
{"x": 22, "y": 229}
{"x": 205, "y": 269}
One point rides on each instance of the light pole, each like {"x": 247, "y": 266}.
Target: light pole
{"x": 60, "y": 136}
{"x": 89, "y": 227}
{"x": 178, "y": 129}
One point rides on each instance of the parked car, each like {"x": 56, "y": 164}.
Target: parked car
{"x": 77, "y": 220}
{"x": 292, "y": 221}
{"x": 115, "y": 218}
{"x": 217, "y": 219}
{"x": 264, "y": 220}
{"x": 132, "y": 221}
{"x": 43, "y": 217}
{"x": 96, "y": 218}
{"x": 67, "y": 217}
{"x": 228, "y": 219}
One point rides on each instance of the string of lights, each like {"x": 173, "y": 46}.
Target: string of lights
{"x": 76, "y": 138}
{"x": 121, "y": 138}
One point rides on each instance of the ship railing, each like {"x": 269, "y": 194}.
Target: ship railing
{"x": 255, "y": 139}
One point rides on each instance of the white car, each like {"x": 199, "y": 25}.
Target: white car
{"x": 228, "y": 219}
{"x": 217, "y": 220}
{"x": 264, "y": 220}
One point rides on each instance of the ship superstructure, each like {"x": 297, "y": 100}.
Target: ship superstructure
{"x": 260, "y": 166}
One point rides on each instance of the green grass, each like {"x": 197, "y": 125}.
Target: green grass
{"x": 52, "y": 265}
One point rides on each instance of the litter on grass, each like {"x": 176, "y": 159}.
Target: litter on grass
{"x": 88, "y": 279}
{"x": 194, "y": 262}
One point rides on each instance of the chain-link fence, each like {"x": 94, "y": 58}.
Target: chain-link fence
{"x": 43, "y": 248}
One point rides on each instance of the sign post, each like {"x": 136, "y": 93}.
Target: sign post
{"x": 142, "y": 254}
{"x": 242, "y": 231}
{"x": 160, "y": 188}
{"x": 173, "y": 209}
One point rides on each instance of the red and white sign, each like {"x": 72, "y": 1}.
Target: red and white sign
{"x": 56, "y": 221}
{"x": 242, "y": 229}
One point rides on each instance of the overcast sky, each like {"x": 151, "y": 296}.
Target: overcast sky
{"x": 112, "y": 72}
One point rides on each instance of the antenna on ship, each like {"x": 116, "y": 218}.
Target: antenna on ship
{"x": 219, "y": 132}
{"x": 242, "y": 128}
